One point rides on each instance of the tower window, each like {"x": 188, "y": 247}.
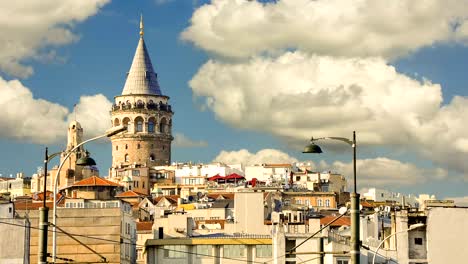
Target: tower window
{"x": 162, "y": 125}
{"x": 116, "y": 147}
{"x": 139, "y": 126}
{"x": 151, "y": 126}
{"x": 138, "y": 146}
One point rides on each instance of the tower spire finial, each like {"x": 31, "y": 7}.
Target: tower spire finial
{"x": 141, "y": 26}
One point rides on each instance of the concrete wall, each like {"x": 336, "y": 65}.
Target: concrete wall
{"x": 83, "y": 223}
{"x": 447, "y": 235}
{"x": 248, "y": 213}
{"x": 14, "y": 245}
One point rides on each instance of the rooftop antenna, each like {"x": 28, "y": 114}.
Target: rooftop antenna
{"x": 74, "y": 110}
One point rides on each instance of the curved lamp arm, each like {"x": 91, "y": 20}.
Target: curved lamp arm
{"x": 346, "y": 140}
{"x": 111, "y": 132}
{"x": 387, "y": 237}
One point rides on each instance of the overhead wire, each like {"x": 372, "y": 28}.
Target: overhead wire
{"x": 135, "y": 244}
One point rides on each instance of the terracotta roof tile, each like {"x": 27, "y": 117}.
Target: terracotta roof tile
{"x": 130, "y": 193}
{"x": 96, "y": 181}
{"x": 343, "y": 221}
{"x": 168, "y": 197}
{"x": 144, "y": 226}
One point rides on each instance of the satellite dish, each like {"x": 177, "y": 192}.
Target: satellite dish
{"x": 343, "y": 210}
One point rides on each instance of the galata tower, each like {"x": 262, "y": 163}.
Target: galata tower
{"x": 146, "y": 112}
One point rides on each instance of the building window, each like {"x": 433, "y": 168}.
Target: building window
{"x": 342, "y": 261}
{"x": 319, "y": 202}
{"x": 203, "y": 251}
{"x": 126, "y": 146}
{"x": 175, "y": 251}
{"x": 233, "y": 251}
{"x": 263, "y": 251}
{"x": 138, "y": 146}
{"x": 418, "y": 241}
{"x": 298, "y": 201}
{"x": 139, "y": 126}
{"x": 327, "y": 203}
{"x": 143, "y": 185}
{"x": 307, "y": 202}
{"x": 151, "y": 157}
{"x": 116, "y": 147}
{"x": 126, "y": 158}
{"x": 135, "y": 173}
{"x": 151, "y": 126}
{"x": 214, "y": 218}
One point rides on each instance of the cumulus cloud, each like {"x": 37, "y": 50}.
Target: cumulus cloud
{"x": 26, "y": 118}
{"x": 30, "y": 29}
{"x": 296, "y": 95}
{"x": 375, "y": 172}
{"x": 241, "y": 28}
{"x": 40, "y": 121}
{"x": 245, "y": 157}
{"x": 92, "y": 111}
{"x": 182, "y": 141}
{"x": 385, "y": 172}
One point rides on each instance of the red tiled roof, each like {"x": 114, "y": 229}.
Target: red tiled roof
{"x": 366, "y": 204}
{"x": 229, "y": 196}
{"x": 130, "y": 193}
{"x": 96, "y": 181}
{"x": 343, "y": 221}
{"x": 144, "y": 226}
{"x": 40, "y": 196}
{"x": 168, "y": 197}
{"x": 28, "y": 205}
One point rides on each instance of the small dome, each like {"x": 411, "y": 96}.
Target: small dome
{"x": 127, "y": 179}
{"x": 86, "y": 161}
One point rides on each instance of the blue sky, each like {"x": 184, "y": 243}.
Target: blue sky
{"x": 245, "y": 76}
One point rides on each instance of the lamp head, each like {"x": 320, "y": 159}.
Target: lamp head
{"x": 414, "y": 226}
{"x": 115, "y": 130}
{"x": 312, "y": 148}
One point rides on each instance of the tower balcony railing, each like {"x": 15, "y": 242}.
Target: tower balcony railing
{"x": 143, "y": 106}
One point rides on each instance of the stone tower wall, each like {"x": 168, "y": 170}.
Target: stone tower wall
{"x": 148, "y": 139}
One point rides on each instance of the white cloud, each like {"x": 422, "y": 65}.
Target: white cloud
{"x": 376, "y": 172}
{"x": 297, "y": 95}
{"x": 40, "y": 121}
{"x": 30, "y": 29}
{"x": 92, "y": 112}
{"x": 385, "y": 172}
{"x": 241, "y": 28}
{"x": 182, "y": 141}
{"x": 245, "y": 157}
{"x": 26, "y": 118}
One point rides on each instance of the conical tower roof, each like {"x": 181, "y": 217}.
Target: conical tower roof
{"x": 141, "y": 78}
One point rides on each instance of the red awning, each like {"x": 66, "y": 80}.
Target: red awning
{"x": 234, "y": 176}
{"x": 215, "y": 178}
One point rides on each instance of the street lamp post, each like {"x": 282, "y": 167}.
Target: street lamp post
{"x": 387, "y": 237}
{"x": 109, "y": 133}
{"x": 355, "y": 242}
{"x": 44, "y": 213}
